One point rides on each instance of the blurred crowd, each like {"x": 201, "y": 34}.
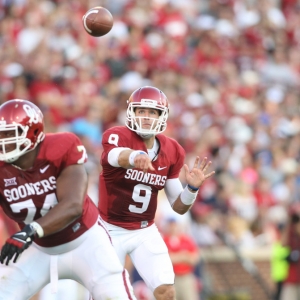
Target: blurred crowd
{"x": 231, "y": 72}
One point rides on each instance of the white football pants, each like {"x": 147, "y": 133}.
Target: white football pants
{"x": 93, "y": 263}
{"x": 148, "y": 252}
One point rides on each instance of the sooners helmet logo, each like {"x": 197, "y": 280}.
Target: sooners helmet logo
{"x": 31, "y": 113}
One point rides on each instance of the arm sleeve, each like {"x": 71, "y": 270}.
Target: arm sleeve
{"x": 173, "y": 189}
{"x": 113, "y": 156}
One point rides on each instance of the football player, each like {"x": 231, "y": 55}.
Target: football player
{"x": 43, "y": 186}
{"x": 138, "y": 161}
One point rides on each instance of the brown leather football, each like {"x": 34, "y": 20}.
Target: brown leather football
{"x": 97, "y": 21}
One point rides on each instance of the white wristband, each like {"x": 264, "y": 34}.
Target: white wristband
{"x": 134, "y": 154}
{"x": 187, "y": 197}
{"x": 38, "y": 228}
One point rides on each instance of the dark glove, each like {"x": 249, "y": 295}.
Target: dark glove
{"x": 293, "y": 256}
{"x": 17, "y": 243}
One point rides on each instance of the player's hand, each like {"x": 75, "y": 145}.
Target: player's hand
{"x": 17, "y": 243}
{"x": 196, "y": 176}
{"x": 143, "y": 162}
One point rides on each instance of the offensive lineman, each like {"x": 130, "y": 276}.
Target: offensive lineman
{"x": 137, "y": 162}
{"x": 43, "y": 187}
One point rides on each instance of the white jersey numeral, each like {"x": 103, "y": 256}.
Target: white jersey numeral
{"x": 82, "y": 149}
{"x": 145, "y": 199}
{"x": 50, "y": 201}
{"x": 113, "y": 139}
{"x": 29, "y": 205}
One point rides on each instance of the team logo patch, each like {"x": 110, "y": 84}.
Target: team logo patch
{"x": 161, "y": 168}
{"x": 44, "y": 169}
{"x": 11, "y": 181}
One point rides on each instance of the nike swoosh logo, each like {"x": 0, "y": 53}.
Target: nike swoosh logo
{"x": 161, "y": 168}
{"x": 20, "y": 233}
{"x": 44, "y": 169}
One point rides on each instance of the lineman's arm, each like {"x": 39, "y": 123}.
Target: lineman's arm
{"x": 71, "y": 188}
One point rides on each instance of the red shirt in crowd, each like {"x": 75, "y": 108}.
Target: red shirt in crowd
{"x": 181, "y": 243}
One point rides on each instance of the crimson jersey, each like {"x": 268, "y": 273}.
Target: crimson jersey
{"x": 128, "y": 197}
{"x": 28, "y": 195}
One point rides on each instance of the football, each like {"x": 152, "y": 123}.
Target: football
{"x": 97, "y": 21}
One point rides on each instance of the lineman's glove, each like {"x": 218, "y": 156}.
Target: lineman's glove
{"x": 17, "y": 243}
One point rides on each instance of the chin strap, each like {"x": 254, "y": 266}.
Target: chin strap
{"x": 145, "y": 135}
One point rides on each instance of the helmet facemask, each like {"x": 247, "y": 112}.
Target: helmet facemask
{"x": 19, "y": 140}
{"x": 158, "y": 125}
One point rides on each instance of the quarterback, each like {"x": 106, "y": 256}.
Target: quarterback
{"x": 43, "y": 187}
{"x": 138, "y": 161}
